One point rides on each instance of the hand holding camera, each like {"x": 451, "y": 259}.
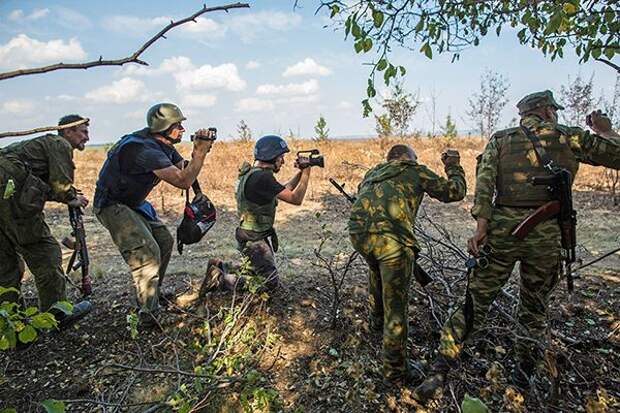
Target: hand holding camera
{"x": 450, "y": 157}
{"x": 203, "y": 139}
{"x": 309, "y": 158}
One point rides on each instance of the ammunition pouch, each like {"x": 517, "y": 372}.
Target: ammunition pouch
{"x": 33, "y": 195}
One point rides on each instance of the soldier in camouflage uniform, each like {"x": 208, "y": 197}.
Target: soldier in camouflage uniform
{"x": 136, "y": 164}
{"x": 504, "y": 198}
{"x": 32, "y": 172}
{"x": 381, "y": 230}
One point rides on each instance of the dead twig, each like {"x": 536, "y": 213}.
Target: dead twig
{"x": 134, "y": 58}
{"x": 44, "y": 129}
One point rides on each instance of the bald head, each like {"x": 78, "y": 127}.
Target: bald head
{"x": 401, "y": 153}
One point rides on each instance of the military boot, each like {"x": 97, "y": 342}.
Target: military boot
{"x": 412, "y": 376}
{"x": 79, "y": 311}
{"x": 432, "y": 387}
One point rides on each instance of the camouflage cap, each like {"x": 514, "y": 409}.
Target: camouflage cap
{"x": 537, "y": 100}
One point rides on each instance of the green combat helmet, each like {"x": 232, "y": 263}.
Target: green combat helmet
{"x": 163, "y": 115}
{"x": 537, "y": 100}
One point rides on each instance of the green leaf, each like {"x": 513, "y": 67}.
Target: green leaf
{"x": 4, "y": 343}
{"x": 335, "y": 10}
{"x": 610, "y": 53}
{"x": 358, "y": 46}
{"x": 355, "y": 30}
{"x": 53, "y": 406}
{"x": 382, "y": 65}
{"x": 64, "y": 306}
{"x": 333, "y": 352}
{"x": 367, "y": 108}
{"x": 402, "y": 70}
{"x": 473, "y": 405}
{"x": 8, "y": 410}
{"x": 367, "y": 44}
{"x": 44, "y": 321}
{"x": 5, "y": 290}
{"x": 30, "y": 311}
{"x": 371, "y": 92}
{"x": 28, "y": 334}
{"x": 426, "y": 49}
{"x": 554, "y": 23}
{"x": 377, "y": 18}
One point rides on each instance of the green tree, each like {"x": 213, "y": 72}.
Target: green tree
{"x": 449, "y": 128}
{"x": 321, "y": 130}
{"x": 244, "y": 132}
{"x": 486, "y": 105}
{"x": 590, "y": 29}
{"x": 401, "y": 106}
{"x": 383, "y": 126}
{"x": 577, "y": 96}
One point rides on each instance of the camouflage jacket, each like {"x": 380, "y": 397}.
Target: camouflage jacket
{"x": 586, "y": 147}
{"x": 50, "y": 158}
{"x": 390, "y": 194}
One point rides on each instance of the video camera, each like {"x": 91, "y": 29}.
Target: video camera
{"x": 211, "y": 135}
{"x": 313, "y": 158}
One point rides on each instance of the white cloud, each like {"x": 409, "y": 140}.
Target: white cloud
{"x": 38, "y": 14}
{"x": 204, "y": 25}
{"x": 252, "y": 64}
{"x": 198, "y": 101}
{"x": 306, "y": 67}
{"x": 345, "y": 105}
{"x": 72, "y": 19}
{"x": 120, "y": 91}
{"x": 16, "y": 14}
{"x": 18, "y": 107}
{"x": 300, "y": 99}
{"x": 21, "y": 51}
{"x": 135, "y": 25}
{"x": 223, "y": 76}
{"x": 169, "y": 65}
{"x": 249, "y": 26}
{"x": 307, "y": 88}
{"x": 254, "y": 105}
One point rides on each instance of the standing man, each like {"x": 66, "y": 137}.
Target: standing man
{"x": 134, "y": 166}
{"x": 32, "y": 172}
{"x": 381, "y": 230}
{"x": 257, "y": 195}
{"x": 504, "y": 198}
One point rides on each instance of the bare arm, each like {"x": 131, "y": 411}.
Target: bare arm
{"x": 184, "y": 178}
{"x": 294, "y": 181}
{"x": 296, "y": 196}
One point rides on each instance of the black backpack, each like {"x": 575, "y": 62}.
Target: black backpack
{"x": 198, "y": 218}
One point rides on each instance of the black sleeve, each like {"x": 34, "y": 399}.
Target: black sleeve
{"x": 262, "y": 187}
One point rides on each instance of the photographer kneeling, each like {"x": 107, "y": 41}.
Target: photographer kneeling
{"x": 257, "y": 196}
{"x": 135, "y": 165}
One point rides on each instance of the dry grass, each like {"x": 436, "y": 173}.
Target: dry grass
{"x": 346, "y": 161}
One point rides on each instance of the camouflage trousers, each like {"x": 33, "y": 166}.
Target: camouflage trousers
{"x": 146, "y": 247}
{"x": 390, "y": 267}
{"x": 539, "y": 257}
{"x": 28, "y": 238}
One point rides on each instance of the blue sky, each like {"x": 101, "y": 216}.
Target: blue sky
{"x": 276, "y": 68}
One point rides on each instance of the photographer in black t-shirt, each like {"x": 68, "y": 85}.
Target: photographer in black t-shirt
{"x": 257, "y": 195}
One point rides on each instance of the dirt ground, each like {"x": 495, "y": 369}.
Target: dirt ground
{"x": 285, "y": 350}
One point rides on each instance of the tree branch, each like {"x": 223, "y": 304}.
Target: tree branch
{"x": 44, "y": 129}
{"x": 134, "y": 58}
{"x": 607, "y": 62}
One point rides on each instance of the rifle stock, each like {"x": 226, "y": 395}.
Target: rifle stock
{"x": 80, "y": 250}
{"x": 542, "y": 213}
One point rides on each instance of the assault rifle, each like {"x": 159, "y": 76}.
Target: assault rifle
{"x": 559, "y": 184}
{"x": 420, "y": 275}
{"x": 80, "y": 250}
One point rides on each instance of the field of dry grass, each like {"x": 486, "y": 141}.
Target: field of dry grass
{"x": 346, "y": 161}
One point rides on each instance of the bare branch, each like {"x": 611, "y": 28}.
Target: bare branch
{"x": 607, "y": 62}
{"x": 44, "y": 129}
{"x": 134, "y": 58}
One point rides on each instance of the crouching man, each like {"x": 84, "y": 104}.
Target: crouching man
{"x": 135, "y": 165}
